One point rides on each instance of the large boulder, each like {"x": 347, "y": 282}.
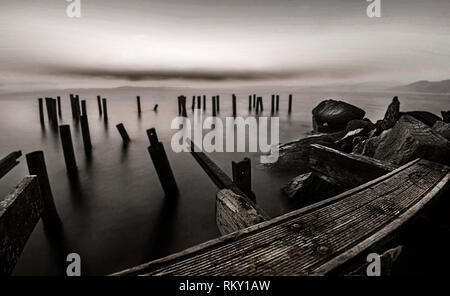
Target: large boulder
{"x": 332, "y": 116}
{"x": 442, "y": 129}
{"x": 367, "y": 147}
{"x": 426, "y": 117}
{"x": 391, "y": 116}
{"x": 410, "y": 139}
{"x": 293, "y": 156}
{"x": 446, "y": 116}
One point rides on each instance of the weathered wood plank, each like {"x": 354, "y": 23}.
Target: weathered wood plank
{"x": 19, "y": 213}
{"x": 9, "y": 162}
{"x": 234, "y": 212}
{"x": 317, "y": 239}
{"x": 352, "y": 170}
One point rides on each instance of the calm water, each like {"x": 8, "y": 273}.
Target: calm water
{"x": 115, "y": 215}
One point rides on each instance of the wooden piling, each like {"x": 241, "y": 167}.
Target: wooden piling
{"x": 85, "y": 132}
{"x": 105, "y": 109}
{"x": 49, "y": 108}
{"x": 272, "y": 109}
{"x": 234, "y": 105}
{"x": 138, "y": 99}
{"x": 254, "y": 101}
{"x": 161, "y": 164}
{"x": 179, "y": 105}
{"x": 59, "y": 106}
{"x": 123, "y": 133}
{"x": 242, "y": 177}
{"x": 204, "y": 102}
{"x": 67, "y": 145}
{"x": 36, "y": 166}
{"x": 41, "y": 110}
{"x": 183, "y": 106}
{"x": 249, "y": 103}
{"x": 77, "y": 107}
{"x": 199, "y": 102}
{"x": 99, "y": 103}
{"x": 83, "y": 107}
{"x": 218, "y": 103}
{"x": 261, "y": 105}
{"x": 72, "y": 105}
{"x": 290, "y": 104}
{"x": 214, "y": 106}
{"x": 54, "y": 114}
{"x": 278, "y": 103}
{"x": 193, "y": 103}
{"x": 155, "y": 108}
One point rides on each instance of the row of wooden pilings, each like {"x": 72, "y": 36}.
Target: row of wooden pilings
{"x": 254, "y": 103}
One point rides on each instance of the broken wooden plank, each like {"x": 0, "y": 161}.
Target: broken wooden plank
{"x": 234, "y": 212}
{"x": 9, "y": 162}
{"x": 350, "y": 169}
{"x": 19, "y": 213}
{"x": 318, "y": 239}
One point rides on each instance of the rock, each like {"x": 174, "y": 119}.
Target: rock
{"x": 442, "y": 129}
{"x": 359, "y": 139}
{"x": 346, "y": 143}
{"x": 392, "y": 115}
{"x": 410, "y": 139}
{"x": 368, "y": 147}
{"x": 356, "y": 124}
{"x": 446, "y": 116}
{"x": 293, "y": 156}
{"x": 426, "y": 117}
{"x": 310, "y": 185}
{"x": 332, "y": 116}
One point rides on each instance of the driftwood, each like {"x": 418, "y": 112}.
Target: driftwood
{"x": 19, "y": 213}
{"x": 9, "y": 162}
{"x": 352, "y": 170}
{"x": 319, "y": 239}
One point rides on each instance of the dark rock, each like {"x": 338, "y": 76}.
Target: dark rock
{"x": 293, "y": 156}
{"x": 442, "y": 129}
{"x": 446, "y": 116}
{"x": 310, "y": 185}
{"x": 426, "y": 117}
{"x": 410, "y": 139}
{"x": 357, "y": 124}
{"x": 331, "y": 115}
{"x": 391, "y": 116}
{"x": 368, "y": 147}
{"x": 359, "y": 139}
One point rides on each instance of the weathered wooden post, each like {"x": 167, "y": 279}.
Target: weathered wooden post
{"x": 41, "y": 110}
{"x": 261, "y": 103}
{"x": 179, "y": 105}
{"x": 254, "y": 100}
{"x": 218, "y": 103}
{"x": 193, "y": 103}
{"x": 249, "y": 103}
{"x": 59, "y": 106}
{"x": 161, "y": 164}
{"x": 77, "y": 107}
{"x": 49, "y": 108}
{"x": 85, "y": 132}
{"x": 83, "y": 107}
{"x": 204, "y": 102}
{"x": 72, "y": 105}
{"x": 278, "y": 103}
{"x": 99, "y": 103}
{"x": 183, "y": 106}
{"x": 272, "y": 109}
{"x": 155, "y": 108}
{"x": 123, "y": 133}
{"x": 199, "y": 102}
{"x": 234, "y": 105}
{"x": 290, "y": 104}
{"x": 214, "y": 106}
{"x": 242, "y": 177}
{"x": 54, "y": 112}
{"x": 67, "y": 145}
{"x": 36, "y": 166}
{"x": 138, "y": 99}
{"x": 105, "y": 109}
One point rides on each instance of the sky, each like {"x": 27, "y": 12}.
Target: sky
{"x": 210, "y": 43}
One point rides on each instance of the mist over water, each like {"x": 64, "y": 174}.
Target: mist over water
{"x": 114, "y": 213}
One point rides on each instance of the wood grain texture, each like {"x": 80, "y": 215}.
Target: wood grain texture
{"x": 9, "y": 162}
{"x": 352, "y": 170}
{"x": 19, "y": 213}
{"x": 318, "y": 239}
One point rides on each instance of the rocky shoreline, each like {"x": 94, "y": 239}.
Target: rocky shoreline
{"x": 398, "y": 138}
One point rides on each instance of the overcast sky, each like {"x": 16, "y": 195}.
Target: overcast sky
{"x": 219, "y": 42}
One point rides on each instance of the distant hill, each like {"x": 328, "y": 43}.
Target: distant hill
{"x": 424, "y": 86}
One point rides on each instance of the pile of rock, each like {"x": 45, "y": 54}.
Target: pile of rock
{"x": 398, "y": 138}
